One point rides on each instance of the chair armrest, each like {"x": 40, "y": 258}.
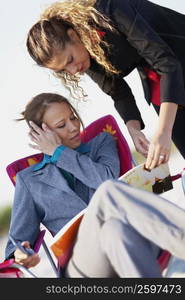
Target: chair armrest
{"x": 39, "y": 240}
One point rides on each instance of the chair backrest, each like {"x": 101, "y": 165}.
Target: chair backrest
{"x": 106, "y": 124}
{"x": 22, "y": 163}
{"x": 109, "y": 124}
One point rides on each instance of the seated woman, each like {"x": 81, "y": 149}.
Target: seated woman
{"x": 123, "y": 229}
{"x": 55, "y": 190}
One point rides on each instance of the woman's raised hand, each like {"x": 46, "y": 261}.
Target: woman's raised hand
{"x": 45, "y": 139}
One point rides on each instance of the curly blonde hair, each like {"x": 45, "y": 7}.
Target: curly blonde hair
{"x": 50, "y": 33}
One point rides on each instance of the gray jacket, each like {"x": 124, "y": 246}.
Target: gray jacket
{"x": 44, "y": 196}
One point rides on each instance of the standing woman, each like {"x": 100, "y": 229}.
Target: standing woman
{"x": 108, "y": 39}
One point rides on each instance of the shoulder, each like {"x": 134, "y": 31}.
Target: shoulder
{"x": 106, "y": 6}
{"x": 26, "y": 173}
{"x": 101, "y": 138}
{"x": 121, "y": 13}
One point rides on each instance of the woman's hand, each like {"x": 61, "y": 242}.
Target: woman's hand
{"x": 140, "y": 142}
{"x": 46, "y": 140}
{"x": 159, "y": 150}
{"x": 160, "y": 146}
{"x": 25, "y": 260}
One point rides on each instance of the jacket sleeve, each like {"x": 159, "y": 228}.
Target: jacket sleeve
{"x": 128, "y": 20}
{"x": 117, "y": 88}
{"x": 25, "y": 224}
{"x": 93, "y": 171}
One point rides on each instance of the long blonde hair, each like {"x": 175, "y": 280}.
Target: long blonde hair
{"x": 50, "y": 33}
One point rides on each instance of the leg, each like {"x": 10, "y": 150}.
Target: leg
{"x": 130, "y": 254}
{"x": 153, "y": 218}
{"x": 88, "y": 258}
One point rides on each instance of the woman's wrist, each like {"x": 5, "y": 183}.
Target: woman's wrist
{"x": 133, "y": 125}
{"x": 164, "y": 130}
{"x": 57, "y": 152}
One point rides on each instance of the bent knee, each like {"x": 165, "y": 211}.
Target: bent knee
{"x": 111, "y": 186}
{"x": 107, "y": 185}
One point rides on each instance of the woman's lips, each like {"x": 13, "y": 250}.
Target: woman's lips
{"x": 82, "y": 69}
{"x": 76, "y": 137}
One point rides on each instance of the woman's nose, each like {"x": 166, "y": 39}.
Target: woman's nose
{"x": 71, "y": 126}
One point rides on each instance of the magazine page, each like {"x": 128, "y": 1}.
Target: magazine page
{"x": 157, "y": 180}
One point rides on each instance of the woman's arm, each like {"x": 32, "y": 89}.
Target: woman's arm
{"x": 160, "y": 146}
{"x": 117, "y": 88}
{"x": 93, "y": 171}
{"x": 124, "y": 102}
{"x": 128, "y": 16}
{"x": 25, "y": 223}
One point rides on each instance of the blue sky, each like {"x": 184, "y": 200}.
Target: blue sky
{"x": 21, "y": 79}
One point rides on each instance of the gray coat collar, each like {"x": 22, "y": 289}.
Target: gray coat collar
{"x": 52, "y": 176}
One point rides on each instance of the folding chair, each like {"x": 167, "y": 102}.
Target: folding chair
{"x": 106, "y": 124}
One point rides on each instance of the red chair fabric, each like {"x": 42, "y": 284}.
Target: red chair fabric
{"x": 7, "y": 271}
{"x": 109, "y": 124}
{"x": 20, "y": 164}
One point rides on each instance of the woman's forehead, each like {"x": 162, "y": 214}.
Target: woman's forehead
{"x": 58, "y": 110}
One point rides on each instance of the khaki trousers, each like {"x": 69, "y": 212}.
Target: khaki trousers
{"x": 123, "y": 231}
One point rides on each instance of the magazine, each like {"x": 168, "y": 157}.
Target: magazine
{"x": 157, "y": 180}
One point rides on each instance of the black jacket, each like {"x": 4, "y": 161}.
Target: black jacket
{"x": 148, "y": 35}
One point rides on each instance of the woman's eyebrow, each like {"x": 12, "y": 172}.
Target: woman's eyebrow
{"x": 58, "y": 122}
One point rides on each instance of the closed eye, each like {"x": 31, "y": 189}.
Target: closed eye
{"x": 61, "y": 126}
{"x": 68, "y": 63}
{"x": 70, "y": 60}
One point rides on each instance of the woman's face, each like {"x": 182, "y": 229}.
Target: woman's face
{"x": 73, "y": 59}
{"x": 60, "y": 118}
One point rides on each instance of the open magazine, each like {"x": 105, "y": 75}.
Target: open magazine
{"x": 157, "y": 180}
